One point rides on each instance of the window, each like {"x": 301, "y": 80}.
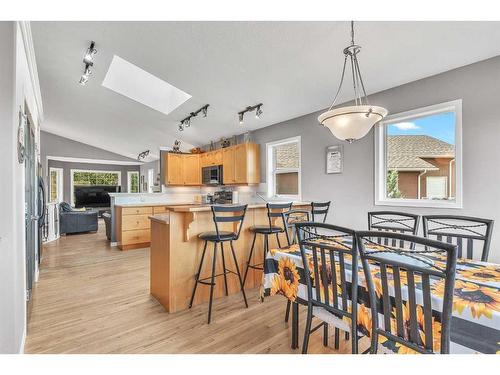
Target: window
{"x": 418, "y": 157}
{"x": 55, "y": 185}
{"x": 88, "y": 178}
{"x": 132, "y": 182}
{"x": 283, "y": 168}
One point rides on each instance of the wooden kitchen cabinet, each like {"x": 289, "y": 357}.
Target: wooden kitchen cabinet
{"x": 228, "y": 165}
{"x": 173, "y": 169}
{"x": 191, "y": 170}
{"x": 241, "y": 165}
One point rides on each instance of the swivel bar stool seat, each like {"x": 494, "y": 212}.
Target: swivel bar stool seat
{"x": 221, "y": 214}
{"x": 274, "y": 211}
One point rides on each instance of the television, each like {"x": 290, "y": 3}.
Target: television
{"x": 94, "y": 196}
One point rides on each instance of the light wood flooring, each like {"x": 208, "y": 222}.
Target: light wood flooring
{"x": 93, "y": 298}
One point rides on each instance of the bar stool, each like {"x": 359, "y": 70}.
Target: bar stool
{"x": 274, "y": 210}
{"x": 219, "y": 214}
{"x": 318, "y": 209}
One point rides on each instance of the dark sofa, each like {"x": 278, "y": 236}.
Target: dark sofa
{"x": 71, "y": 221}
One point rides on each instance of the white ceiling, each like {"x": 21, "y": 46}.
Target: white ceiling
{"x": 291, "y": 67}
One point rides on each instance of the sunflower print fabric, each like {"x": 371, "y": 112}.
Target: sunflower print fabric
{"x": 476, "y": 302}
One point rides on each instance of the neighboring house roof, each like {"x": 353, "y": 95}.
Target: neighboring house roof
{"x": 407, "y": 152}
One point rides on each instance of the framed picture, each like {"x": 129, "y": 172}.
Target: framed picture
{"x": 334, "y": 159}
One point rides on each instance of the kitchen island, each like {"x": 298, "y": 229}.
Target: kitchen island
{"x": 176, "y": 252}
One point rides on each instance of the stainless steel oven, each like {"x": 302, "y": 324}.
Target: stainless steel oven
{"x": 212, "y": 175}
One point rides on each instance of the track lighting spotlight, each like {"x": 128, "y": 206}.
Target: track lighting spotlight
{"x": 258, "y": 112}
{"x": 256, "y": 108}
{"x": 88, "y": 60}
{"x": 142, "y": 155}
{"x": 186, "y": 122}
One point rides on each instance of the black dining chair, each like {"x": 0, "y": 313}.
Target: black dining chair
{"x": 275, "y": 214}
{"x": 392, "y": 221}
{"x": 221, "y": 214}
{"x": 319, "y": 211}
{"x": 293, "y": 217}
{"x": 476, "y": 232}
{"x": 405, "y": 277}
{"x": 327, "y": 252}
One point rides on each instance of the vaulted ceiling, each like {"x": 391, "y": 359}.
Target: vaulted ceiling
{"x": 291, "y": 67}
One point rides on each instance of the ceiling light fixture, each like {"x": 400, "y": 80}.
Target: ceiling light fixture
{"x": 257, "y": 108}
{"x": 186, "y": 122}
{"x": 142, "y": 155}
{"x": 352, "y": 122}
{"x": 88, "y": 60}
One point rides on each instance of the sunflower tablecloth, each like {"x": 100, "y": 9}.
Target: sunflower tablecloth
{"x": 475, "y": 326}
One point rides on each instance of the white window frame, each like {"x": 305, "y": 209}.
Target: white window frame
{"x": 129, "y": 181}
{"x": 60, "y": 184}
{"x": 381, "y": 153}
{"x": 270, "y": 167}
{"x": 119, "y": 173}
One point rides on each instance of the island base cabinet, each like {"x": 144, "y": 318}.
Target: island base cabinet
{"x": 178, "y": 258}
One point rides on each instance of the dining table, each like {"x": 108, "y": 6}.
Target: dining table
{"x": 475, "y": 325}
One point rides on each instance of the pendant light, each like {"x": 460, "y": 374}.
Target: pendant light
{"x": 352, "y": 122}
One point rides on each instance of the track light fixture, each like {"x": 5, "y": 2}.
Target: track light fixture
{"x": 142, "y": 155}
{"x": 186, "y": 122}
{"x": 257, "y": 108}
{"x": 88, "y": 60}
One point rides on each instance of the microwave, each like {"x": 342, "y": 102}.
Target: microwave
{"x": 212, "y": 175}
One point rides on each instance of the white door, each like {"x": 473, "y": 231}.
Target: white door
{"x": 436, "y": 187}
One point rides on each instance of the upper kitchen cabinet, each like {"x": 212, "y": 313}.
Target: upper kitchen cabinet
{"x": 241, "y": 164}
{"x": 173, "y": 169}
{"x": 191, "y": 171}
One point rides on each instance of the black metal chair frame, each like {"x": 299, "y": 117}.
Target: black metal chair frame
{"x": 238, "y": 219}
{"x": 320, "y": 208}
{"x": 283, "y": 208}
{"x": 413, "y": 340}
{"x": 335, "y": 254}
{"x": 385, "y": 223}
{"x": 471, "y": 234}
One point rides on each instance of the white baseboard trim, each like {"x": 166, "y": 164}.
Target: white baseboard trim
{"x": 114, "y": 244}
{"x": 23, "y": 342}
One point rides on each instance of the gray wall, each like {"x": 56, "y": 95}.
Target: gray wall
{"x": 54, "y": 145}
{"x": 68, "y": 166}
{"x": 352, "y": 192}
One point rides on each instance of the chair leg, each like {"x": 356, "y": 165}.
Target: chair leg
{"x": 278, "y": 240}
{"x": 307, "y": 330}
{"x": 212, "y": 283}
{"x": 224, "y": 266}
{"x": 337, "y": 338}
{"x": 325, "y": 334}
{"x": 287, "y": 313}
{"x": 238, "y": 273}
{"x": 249, "y": 259}
{"x": 197, "y": 276}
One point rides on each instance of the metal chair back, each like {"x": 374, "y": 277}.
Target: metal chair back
{"x": 393, "y": 221}
{"x": 319, "y": 211}
{"x": 328, "y": 251}
{"x": 293, "y": 217}
{"x": 404, "y": 279}
{"x": 277, "y": 210}
{"x": 229, "y": 214}
{"x": 471, "y": 234}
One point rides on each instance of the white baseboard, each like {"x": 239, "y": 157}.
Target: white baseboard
{"x": 114, "y": 244}
{"x": 23, "y": 342}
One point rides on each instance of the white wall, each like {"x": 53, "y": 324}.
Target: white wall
{"x": 16, "y": 88}
{"x": 352, "y": 192}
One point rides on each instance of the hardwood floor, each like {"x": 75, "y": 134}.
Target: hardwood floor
{"x": 93, "y": 298}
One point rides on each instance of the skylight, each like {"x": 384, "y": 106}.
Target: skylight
{"x": 135, "y": 83}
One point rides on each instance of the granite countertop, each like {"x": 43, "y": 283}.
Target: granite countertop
{"x": 146, "y": 204}
{"x": 206, "y": 207}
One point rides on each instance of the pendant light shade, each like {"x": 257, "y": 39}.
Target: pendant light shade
{"x": 352, "y": 122}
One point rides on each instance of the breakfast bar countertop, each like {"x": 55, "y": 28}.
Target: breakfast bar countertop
{"x": 206, "y": 207}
